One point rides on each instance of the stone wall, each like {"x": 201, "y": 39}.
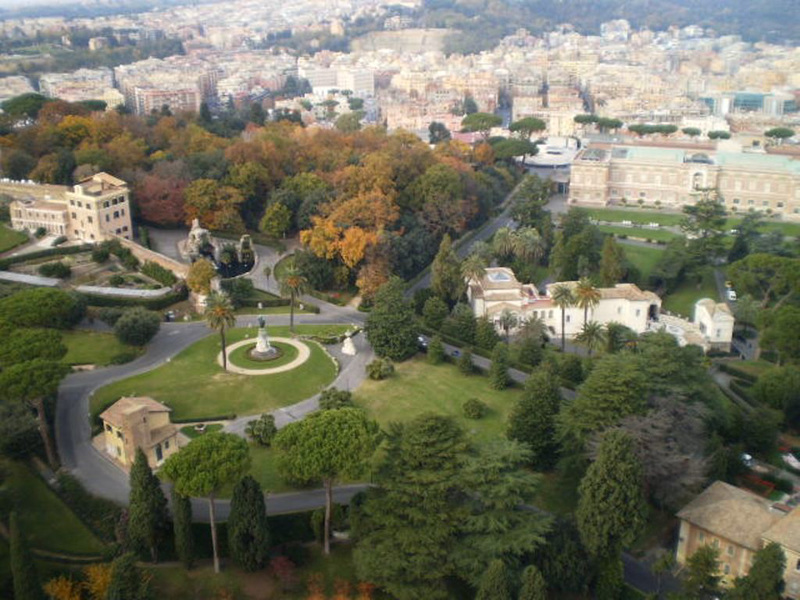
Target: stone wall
{"x": 180, "y": 269}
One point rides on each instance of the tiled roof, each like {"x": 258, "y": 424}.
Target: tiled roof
{"x": 115, "y": 413}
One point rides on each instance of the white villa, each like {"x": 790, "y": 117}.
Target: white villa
{"x": 624, "y": 303}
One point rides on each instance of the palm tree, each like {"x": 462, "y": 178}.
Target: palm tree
{"x": 508, "y": 321}
{"x": 293, "y": 284}
{"x": 473, "y": 267}
{"x": 534, "y": 328}
{"x": 528, "y": 245}
{"x": 562, "y": 298}
{"x": 220, "y": 316}
{"x": 503, "y": 242}
{"x": 483, "y": 250}
{"x": 267, "y": 271}
{"x": 586, "y": 296}
{"x": 592, "y": 335}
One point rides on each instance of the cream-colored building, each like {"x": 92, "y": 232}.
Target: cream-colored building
{"x": 499, "y": 291}
{"x": 93, "y": 210}
{"x": 740, "y": 523}
{"x": 639, "y": 310}
{"x": 138, "y": 422}
{"x": 673, "y": 177}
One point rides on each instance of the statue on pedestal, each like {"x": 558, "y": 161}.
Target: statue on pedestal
{"x": 263, "y": 349}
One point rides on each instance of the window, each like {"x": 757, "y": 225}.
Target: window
{"x": 780, "y": 204}
{"x": 719, "y": 332}
{"x": 550, "y": 314}
{"x": 736, "y": 200}
{"x": 125, "y": 228}
{"x": 797, "y": 565}
{"x": 72, "y": 202}
{"x": 119, "y": 451}
{"x": 702, "y": 536}
{"x": 765, "y": 203}
{"x": 619, "y": 310}
{"x": 726, "y": 569}
{"x": 567, "y": 319}
{"x": 715, "y": 543}
{"x": 105, "y": 204}
{"x": 74, "y": 216}
{"x": 730, "y": 550}
{"x": 116, "y": 214}
{"x": 80, "y": 205}
{"x": 119, "y": 434}
{"x": 118, "y": 231}
{"x": 638, "y": 311}
{"x": 108, "y": 427}
{"x": 90, "y": 219}
{"x": 108, "y": 218}
{"x": 122, "y": 212}
{"x": 166, "y": 445}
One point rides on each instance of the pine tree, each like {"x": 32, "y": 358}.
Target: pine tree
{"x": 702, "y": 574}
{"x": 485, "y": 334}
{"x": 408, "y": 525}
{"x": 465, "y": 362}
{"x": 611, "y": 262}
{"x": 147, "y": 514}
{"x": 534, "y": 586}
{"x": 764, "y": 581}
{"x": 182, "y": 528}
{"x": 495, "y": 584}
{"x": 435, "y": 351}
{"x": 390, "y": 325}
{"x": 610, "y": 511}
{"x": 248, "y": 533}
{"x": 446, "y": 279}
{"x": 532, "y": 420}
{"x": 23, "y": 569}
{"x": 128, "y": 582}
{"x": 498, "y": 371}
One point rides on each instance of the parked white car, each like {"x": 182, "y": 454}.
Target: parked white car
{"x": 732, "y": 295}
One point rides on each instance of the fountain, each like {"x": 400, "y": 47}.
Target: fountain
{"x": 263, "y": 350}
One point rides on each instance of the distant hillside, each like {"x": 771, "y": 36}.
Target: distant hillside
{"x": 484, "y": 22}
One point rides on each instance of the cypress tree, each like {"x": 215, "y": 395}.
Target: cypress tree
{"x": 128, "y": 582}
{"x": 532, "y": 420}
{"x": 147, "y": 514}
{"x": 248, "y": 534}
{"x": 495, "y": 583}
{"x": 182, "y": 528}
{"x": 498, "y": 372}
{"x": 534, "y": 586}
{"x": 610, "y": 511}
{"x": 435, "y": 351}
{"x": 446, "y": 280}
{"x": 23, "y": 569}
{"x": 465, "y": 362}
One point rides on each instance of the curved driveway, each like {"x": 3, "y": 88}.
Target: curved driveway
{"x": 100, "y": 476}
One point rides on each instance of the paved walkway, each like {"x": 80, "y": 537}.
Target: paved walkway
{"x": 303, "y": 352}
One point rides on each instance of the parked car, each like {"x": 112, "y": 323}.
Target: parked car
{"x": 455, "y": 353}
{"x": 422, "y": 342}
{"x": 732, "y": 295}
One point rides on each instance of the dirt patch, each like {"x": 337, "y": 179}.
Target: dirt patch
{"x": 259, "y": 586}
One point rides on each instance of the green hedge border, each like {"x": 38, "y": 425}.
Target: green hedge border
{"x": 59, "y": 251}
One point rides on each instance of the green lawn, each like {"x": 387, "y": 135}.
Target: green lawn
{"x": 92, "y": 347}
{"x": 657, "y": 235}
{"x": 418, "y": 387}
{"x": 47, "y": 522}
{"x": 10, "y": 239}
{"x": 634, "y": 215}
{"x": 197, "y": 388}
{"x": 682, "y": 300}
{"x": 644, "y": 259}
{"x": 787, "y": 229}
{"x": 190, "y": 432}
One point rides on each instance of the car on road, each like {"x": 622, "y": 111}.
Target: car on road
{"x": 422, "y": 342}
{"x": 455, "y": 353}
{"x": 731, "y": 296}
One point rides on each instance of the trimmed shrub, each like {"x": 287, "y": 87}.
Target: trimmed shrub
{"x": 100, "y": 254}
{"x": 121, "y": 358}
{"x": 137, "y": 326}
{"x": 465, "y": 362}
{"x": 435, "y": 351}
{"x": 116, "y": 280}
{"x": 99, "y": 514}
{"x": 110, "y": 316}
{"x": 334, "y": 398}
{"x": 58, "y": 269}
{"x": 380, "y": 368}
{"x": 474, "y": 409}
{"x": 181, "y": 293}
{"x": 59, "y": 240}
{"x": 162, "y": 275}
